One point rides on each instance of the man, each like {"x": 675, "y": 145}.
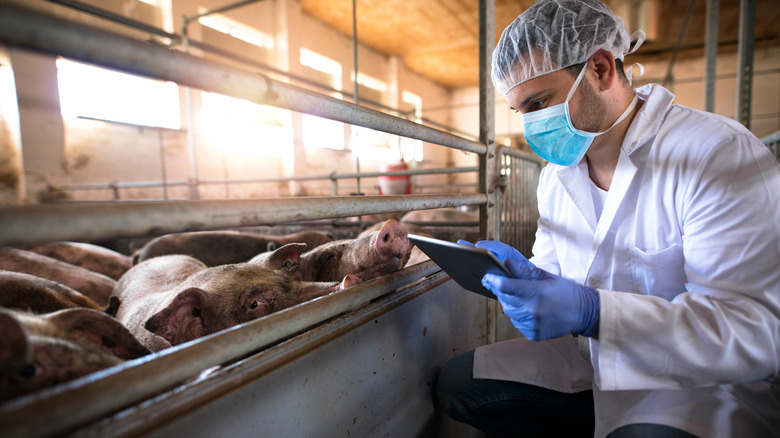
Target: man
{"x": 657, "y": 246}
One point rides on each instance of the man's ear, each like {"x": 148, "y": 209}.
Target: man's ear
{"x": 606, "y": 70}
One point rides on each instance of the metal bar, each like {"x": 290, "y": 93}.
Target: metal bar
{"x": 710, "y": 54}
{"x": 356, "y": 85}
{"x": 488, "y": 163}
{"x": 104, "y": 221}
{"x": 42, "y": 32}
{"x": 747, "y": 23}
{"x": 53, "y": 411}
{"x": 152, "y": 184}
{"x": 83, "y": 7}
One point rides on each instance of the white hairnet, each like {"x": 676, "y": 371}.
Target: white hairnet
{"x": 554, "y": 34}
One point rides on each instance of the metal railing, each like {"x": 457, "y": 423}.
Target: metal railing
{"x": 115, "y": 187}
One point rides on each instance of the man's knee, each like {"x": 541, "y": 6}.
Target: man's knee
{"x": 452, "y": 384}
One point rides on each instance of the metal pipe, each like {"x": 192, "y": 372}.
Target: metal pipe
{"x": 747, "y": 23}
{"x": 105, "y": 221}
{"x": 332, "y": 176}
{"x": 53, "y": 411}
{"x": 135, "y": 24}
{"x": 42, "y": 32}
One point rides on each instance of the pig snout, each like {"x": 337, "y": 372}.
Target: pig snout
{"x": 392, "y": 241}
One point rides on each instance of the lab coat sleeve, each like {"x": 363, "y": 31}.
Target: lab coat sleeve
{"x": 725, "y": 327}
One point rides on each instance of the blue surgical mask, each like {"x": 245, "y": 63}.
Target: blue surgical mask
{"x": 552, "y": 136}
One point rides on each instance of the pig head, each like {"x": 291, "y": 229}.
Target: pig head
{"x": 372, "y": 255}
{"x": 200, "y": 301}
{"x": 39, "y": 351}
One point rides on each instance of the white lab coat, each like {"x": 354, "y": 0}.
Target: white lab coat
{"x": 686, "y": 260}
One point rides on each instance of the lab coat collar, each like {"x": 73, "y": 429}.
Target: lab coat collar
{"x": 644, "y": 127}
{"x": 648, "y": 120}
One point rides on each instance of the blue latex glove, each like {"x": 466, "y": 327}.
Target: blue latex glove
{"x": 542, "y": 305}
{"x": 502, "y": 251}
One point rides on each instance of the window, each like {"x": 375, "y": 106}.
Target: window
{"x": 319, "y": 132}
{"x": 237, "y": 30}
{"x": 241, "y": 125}
{"x": 412, "y": 149}
{"x": 99, "y": 93}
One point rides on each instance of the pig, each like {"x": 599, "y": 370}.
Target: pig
{"x": 86, "y": 255}
{"x": 369, "y": 256}
{"x": 97, "y": 287}
{"x": 216, "y": 248}
{"x": 39, "y": 295}
{"x": 169, "y": 300}
{"x": 39, "y": 351}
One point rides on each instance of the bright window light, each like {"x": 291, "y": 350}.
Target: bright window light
{"x": 319, "y": 132}
{"x": 371, "y": 82}
{"x": 412, "y": 149}
{"x": 98, "y": 93}
{"x": 241, "y": 125}
{"x": 236, "y": 29}
{"x": 320, "y": 63}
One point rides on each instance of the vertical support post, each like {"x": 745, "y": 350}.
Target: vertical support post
{"x": 355, "y": 82}
{"x": 488, "y": 164}
{"x": 710, "y": 54}
{"x": 747, "y": 21}
{"x": 193, "y": 179}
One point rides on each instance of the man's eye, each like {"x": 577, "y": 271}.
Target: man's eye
{"x": 537, "y": 105}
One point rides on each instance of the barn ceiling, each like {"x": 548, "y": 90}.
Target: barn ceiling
{"x": 439, "y": 39}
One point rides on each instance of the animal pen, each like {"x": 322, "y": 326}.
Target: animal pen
{"x": 319, "y": 368}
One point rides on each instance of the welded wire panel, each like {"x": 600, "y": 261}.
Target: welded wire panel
{"x": 518, "y": 209}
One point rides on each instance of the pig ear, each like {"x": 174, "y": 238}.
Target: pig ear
{"x": 348, "y": 281}
{"x": 286, "y": 259}
{"x": 101, "y": 330}
{"x": 182, "y": 320}
{"x": 15, "y": 351}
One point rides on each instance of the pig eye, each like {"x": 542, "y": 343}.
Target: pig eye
{"x": 28, "y": 372}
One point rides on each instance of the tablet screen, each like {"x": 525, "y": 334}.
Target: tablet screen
{"x": 466, "y": 264}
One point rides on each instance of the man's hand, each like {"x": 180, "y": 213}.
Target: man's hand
{"x": 542, "y": 305}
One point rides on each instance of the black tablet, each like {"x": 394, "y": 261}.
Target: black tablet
{"x": 466, "y": 264}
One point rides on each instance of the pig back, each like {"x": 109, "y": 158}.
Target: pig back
{"x": 96, "y": 286}
{"x": 215, "y": 248}
{"x": 29, "y": 292}
{"x": 86, "y": 255}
